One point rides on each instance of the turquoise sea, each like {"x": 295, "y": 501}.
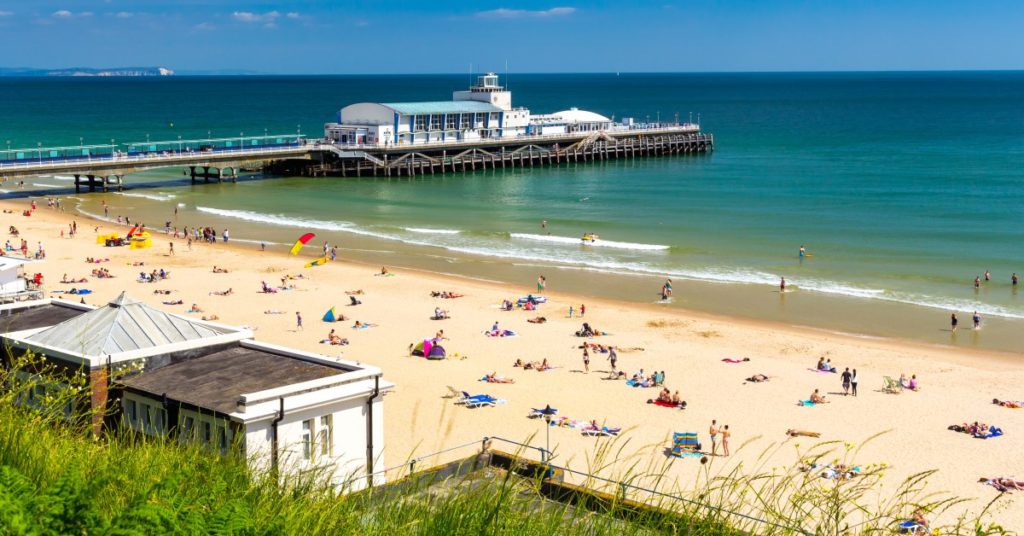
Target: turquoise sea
{"x": 903, "y": 186}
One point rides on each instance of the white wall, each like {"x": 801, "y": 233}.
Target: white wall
{"x": 367, "y": 113}
{"x": 10, "y": 282}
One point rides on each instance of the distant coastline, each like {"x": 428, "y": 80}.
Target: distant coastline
{"x": 85, "y": 71}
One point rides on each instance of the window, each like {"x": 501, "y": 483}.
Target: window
{"x": 435, "y": 122}
{"x": 307, "y": 439}
{"x": 451, "y": 119}
{"x": 464, "y": 120}
{"x": 325, "y": 436}
{"x": 206, "y": 432}
{"x": 130, "y": 412}
{"x": 421, "y": 121}
{"x": 222, "y": 438}
{"x": 147, "y": 421}
{"x": 188, "y": 426}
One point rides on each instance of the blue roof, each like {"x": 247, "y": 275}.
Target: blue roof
{"x": 440, "y": 107}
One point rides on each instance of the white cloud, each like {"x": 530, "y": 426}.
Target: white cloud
{"x": 204, "y": 26}
{"x": 292, "y": 15}
{"x": 63, "y": 14}
{"x": 250, "y": 17}
{"x": 124, "y": 15}
{"x": 505, "y": 13}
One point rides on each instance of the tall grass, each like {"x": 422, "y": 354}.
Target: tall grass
{"x": 56, "y": 478}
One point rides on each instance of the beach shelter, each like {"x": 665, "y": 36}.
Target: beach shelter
{"x": 418, "y": 349}
{"x": 685, "y": 444}
{"x": 331, "y": 315}
{"x": 436, "y": 352}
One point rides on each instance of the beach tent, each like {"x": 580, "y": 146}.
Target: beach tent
{"x": 331, "y": 315}
{"x": 436, "y": 352}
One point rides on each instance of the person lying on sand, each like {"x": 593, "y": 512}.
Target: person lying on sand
{"x": 731, "y": 360}
{"x": 440, "y": 314}
{"x": 758, "y": 378}
{"x": 445, "y": 294}
{"x": 266, "y": 289}
{"x": 220, "y": 270}
{"x": 817, "y": 398}
{"x": 210, "y": 318}
{"x": 159, "y": 291}
{"x": 537, "y": 320}
{"x": 492, "y": 378}
{"x": 506, "y": 305}
{"x": 357, "y": 292}
{"x": 1003, "y": 484}
{"x": 1008, "y": 403}
{"x": 227, "y": 292}
{"x": 79, "y": 280}
{"x": 195, "y": 309}
{"x": 801, "y": 433}
{"x": 273, "y": 312}
{"x": 363, "y": 325}
{"x": 177, "y": 302}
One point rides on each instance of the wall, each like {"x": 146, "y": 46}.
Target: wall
{"x": 367, "y": 113}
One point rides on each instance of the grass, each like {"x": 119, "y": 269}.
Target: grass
{"x": 56, "y": 478}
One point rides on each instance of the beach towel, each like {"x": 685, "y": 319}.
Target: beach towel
{"x": 820, "y": 371}
{"x": 806, "y": 403}
{"x": 993, "y": 431}
{"x": 500, "y": 333}
{"x": 666, "y": 404}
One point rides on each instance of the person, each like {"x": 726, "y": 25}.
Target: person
{"x": 847, "y": 376}
{"x": 977, "y": 282}
{"x": 725, "y": 440}
{"x": 758, "y": 378}
{"x": 798, "y": 433}
{"x": 919, "y": 520}
{"x": 613, "y": 358}
{"x": 668, "y": 287}
{"x": 1013, "y": 279}
{"x": 586, "y": 360}
{"x": 713, "y": 432}
{"x": 977, "y": 320}
{"x": 988, "y": 275}
{"x": 1003, "y": 484}
{"x": 224, "y": 235}
{"x": 1008, "y": 403}
{"x": 583, "y": 310}
{"x": 494, "y": 328}
{"x": 543, "y": 224}
{"x": 803, "y": 252}
{"x": 298, "y": 320}
{"x": 541, "y": 282}
{"x": 171, "y": 246}
{"x": 853, "y": 382}
{"x": 912, "y": 384}
{"x": 383, "y": 270}
{"x": 782, "y": 284}
{"x": 953, "y": 322}
{"x": 817, "y": 398}
{"x": 570, "y": 311}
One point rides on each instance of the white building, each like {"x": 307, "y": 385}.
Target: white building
{"x": 483, "y": 112}
{"x": 194, "y": 381}
{"x": 13, "y": 284}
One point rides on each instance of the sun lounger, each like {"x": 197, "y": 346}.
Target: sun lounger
{"x": 913, "y": 527}
{"x": 453, "y": 393}
{"x": 685, "y": 444}
{"x": 600, "y": 431}
{"x": 475, "y": 401}
{"x": 891, "y": 386}
{"x": 538, "y": 413}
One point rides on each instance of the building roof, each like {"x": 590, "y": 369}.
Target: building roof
{"x": 440, "y": 107}
{"x": 217, "y": 381}
{"x": 6, "y": 263}
{"x": 37, "y": 316}
{"x": 575, "y": 115}
{"x": 123, "y": 325}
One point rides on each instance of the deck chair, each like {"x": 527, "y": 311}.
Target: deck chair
{"x": 453, "y": 393}
{"x": 602, "y": 431}
{"x": 891, "y": 386}
{"x": 539, "y": 413}
{"x": 480, "y": 400}
{"x": 685, "y": 444}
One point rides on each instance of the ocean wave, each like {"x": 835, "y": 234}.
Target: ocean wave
{"x": 152, "y": 197}
{"x": 41, "y": 185}
{"x": 597, "y": 243}
{"x": 274, "y": 219}
{"x": 432, "y": 231}
{"x": 63, "y": 178}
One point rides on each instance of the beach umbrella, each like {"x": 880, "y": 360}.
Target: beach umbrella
{"x": 301, "y": 242}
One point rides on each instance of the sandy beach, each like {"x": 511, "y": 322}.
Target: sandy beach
{"x": 957, "y": 385}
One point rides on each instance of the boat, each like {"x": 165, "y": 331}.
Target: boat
{"x": 590, "y": 237}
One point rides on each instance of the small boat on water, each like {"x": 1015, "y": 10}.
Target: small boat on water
{"x": 590, "y": 237}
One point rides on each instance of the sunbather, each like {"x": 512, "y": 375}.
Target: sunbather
{"x": 195, "y": 309}
{"x": 732, "y": 360}
{"x": 801, "y": 433}
{"x": 1008, "y": 403}
{"x": 177, "y": 302}
{"x": 1003, "y": 484}
{"x": 758, "y": 378}
{"x": 537, "y": 320}
{"x": 357, "y": 292}
{"x": 220, "y": 270}
{"x": 440, "y": 314}
{"x": 492, "y": 378}
{"x": 227, "y": 292}
{"x": 817, "y": 398}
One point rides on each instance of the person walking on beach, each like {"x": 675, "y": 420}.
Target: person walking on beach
{"x": 586, "y": 360}
{"x": 583, "y": 310}
{"x": 570, "y": 311}
{"x": 725, "y": 440}
{"x": 224, "y": 235}
{"x": 782, "y": 284}
{"x": 953, "y": 322}
{"x": 613, "y": 358}
{"x": 541, "y": 283}
{"x": 713, "y": 432}
{"x": 977, "y": 320}
{"x": 298, "y": 320}
{"x": 170, "y": 245}
{"x": 846, "y": 381}
{"x": 853, "y": 382}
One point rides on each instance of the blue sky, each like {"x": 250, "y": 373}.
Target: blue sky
{"x": 404, "y": 36}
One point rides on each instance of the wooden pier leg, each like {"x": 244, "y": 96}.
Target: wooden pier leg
{"x": 78, "y": 183}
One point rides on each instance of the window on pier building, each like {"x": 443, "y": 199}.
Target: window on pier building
{"x": 464, "y": 120}
{"x": 420, "y": 122}
{"x": 435, "y": 122}
{"x": 452, "y": 118}
{"x": 494, "y": 118}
